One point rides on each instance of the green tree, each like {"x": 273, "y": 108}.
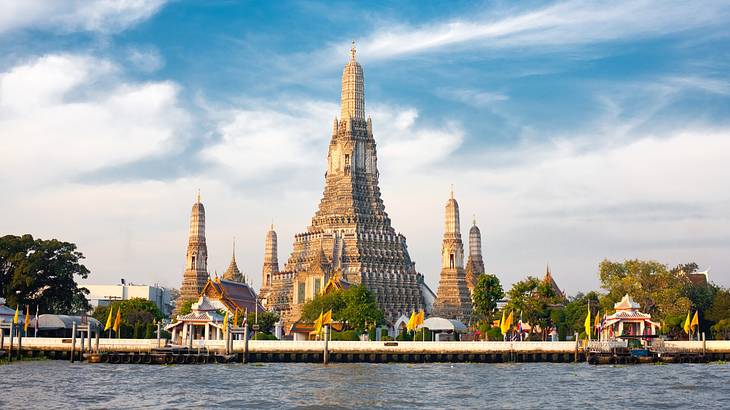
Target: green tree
{"x": 533, "y": 299}
{"x": 720, "y": 307}
{"x": 487, "y": 292}
{"x": 135, "y": 314}
{"x": 355, "y": 305}
{"x": 266, "y": 320}
{"x": 574, "y": 314}
{"x": 659, "y": 291}
{"x": 186, "y": 306}
{"x": 42, "y": 273}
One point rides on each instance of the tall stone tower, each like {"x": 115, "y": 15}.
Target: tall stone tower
{"x": 196, "y": 258}
{"x": 350, "y": 235}
{"x": 475, "y": 263}
{"x": 271, "y": 261}
{"x": 233, "y": 274}
{"x": 453, "y": 299}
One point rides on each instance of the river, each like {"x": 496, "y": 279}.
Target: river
{"x": 61, "y": 385}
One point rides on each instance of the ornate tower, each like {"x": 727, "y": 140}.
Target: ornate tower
{"x": 350, "y": 235}
{"x": 271, "y": 259}
{"x": 233, "y": 274}
{"x": 196, "y": 258}
{"x": 453, "y": 299}
{"x": 475, "y": 263}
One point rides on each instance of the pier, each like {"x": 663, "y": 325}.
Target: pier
{"x": 153, "y": 351}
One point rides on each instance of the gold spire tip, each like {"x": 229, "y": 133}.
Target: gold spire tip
{"x": 197, "y": 197}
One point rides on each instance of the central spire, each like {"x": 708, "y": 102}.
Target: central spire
{"x": 353, "y": 90}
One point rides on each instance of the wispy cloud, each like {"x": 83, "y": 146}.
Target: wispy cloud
{"x": 75, "y": 15}
{"x": 567, "y": 23}
{"x": 66, "y": 114}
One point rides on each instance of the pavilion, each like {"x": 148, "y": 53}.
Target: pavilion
{"x": 628, "y": 321}
{"x": 203, "y": 323}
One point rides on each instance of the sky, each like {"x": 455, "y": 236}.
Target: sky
{"x": 572, "y": 131}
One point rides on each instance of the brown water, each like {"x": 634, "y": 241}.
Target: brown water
{"x": 58, "y": 384}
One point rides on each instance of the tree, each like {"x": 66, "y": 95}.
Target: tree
{"x": 186, "y": 306}
{"x": 487, "y": 292}
{"x": 42, "y": 273}
{"x": 136, "y": 313}
{"x": 720, "y": 307}
{"x": 659, "y": 291}
{"x": 266, "y": 320}
{"x": 356, "y": 305}
{"x": 533, "y": 299}
{"x": 575, "y": 311}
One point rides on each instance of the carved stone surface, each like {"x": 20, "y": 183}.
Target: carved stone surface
{"x": 350, "y": 234}
{"x": 453, "y": 298}
{"x": 475, "y": 263}
{"x": 195, "y": 275}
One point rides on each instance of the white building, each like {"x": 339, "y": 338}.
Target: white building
{"x": 102, "y": 295}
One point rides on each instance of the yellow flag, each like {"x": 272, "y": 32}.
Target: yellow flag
{"x": 225, "y": 322}
{"x": 687, "y": 322}
{"x": 596, "y": 321}
{"x": 695, "y": 322}
{"x": 235, "y": 318}
{"x": 118, "y": 319}
{"x": 327, "y": 318}
{"x": 109, "y": 319}
{"x": 587, "y": 323}
{"x": 420, "y": 317}
{"x": 15, "y": 318}
{"x": 509, "y": 322}
{"x": 27, "y": 319}
{"x": 501, "y": 324}
{"x": 318, "y": 323}
{"x": 411, "y": 322}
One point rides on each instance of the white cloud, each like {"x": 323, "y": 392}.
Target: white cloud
{"x": 62, "y": 115}
{"x": 565, "y": 23}
{"x": 259, "y": 142}
{"x": 75, "y": 15}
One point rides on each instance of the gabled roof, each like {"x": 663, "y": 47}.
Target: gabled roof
{"x": 551, "y": 281}
{"x": 232, "y": 294}
{"x": 626, "y": 303}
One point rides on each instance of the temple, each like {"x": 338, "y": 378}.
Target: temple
{"x": 475, "y": 263}
{"x": 233, "y": 274}
{"x": 350, "y": 235}
{"x": 453, "y": 298}
{"x": 195, "y": 275}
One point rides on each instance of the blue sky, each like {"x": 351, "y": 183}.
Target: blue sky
{"x": 573, "y": 131}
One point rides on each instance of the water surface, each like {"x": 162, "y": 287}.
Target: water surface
{"x": 59, "y": 384}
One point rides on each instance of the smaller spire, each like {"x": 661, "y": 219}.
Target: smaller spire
{"x": 197, "y": 197}
{"x": 452, "y": 191}
{"x": 234, "y": 248}
{"x": 353, "y": 50}
{"x": 474, "y": 220}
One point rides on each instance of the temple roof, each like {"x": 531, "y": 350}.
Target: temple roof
{"x": 233, "y": 274}
{"x": 551, "y": 281}
{"x": 232, "y": 294}
{"x": 627, "y": 303}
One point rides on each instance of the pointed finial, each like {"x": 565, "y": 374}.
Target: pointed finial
{"x": 353, "y": 50}
{"x": 452, "y": 191}
{"x": 197, "y": 197}
{"x": 474, "y": 219}
{"x": 272, "y": 224}
{"x": 234, "y": 248}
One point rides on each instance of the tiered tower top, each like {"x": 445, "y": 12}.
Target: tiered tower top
{"x": 452, "y": 229}
{"x": 353, "y": 90}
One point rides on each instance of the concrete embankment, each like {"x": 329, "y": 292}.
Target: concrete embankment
{"x": 141, "y": 351}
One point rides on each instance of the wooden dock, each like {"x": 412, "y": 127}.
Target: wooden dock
{"x": 152, "y": 351}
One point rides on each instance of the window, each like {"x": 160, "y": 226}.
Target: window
{"x": 317, "y": 286}
{"x": 192, "y": 262}
{"x": 451, "y": 261}
{"x": 268, "y": 280}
